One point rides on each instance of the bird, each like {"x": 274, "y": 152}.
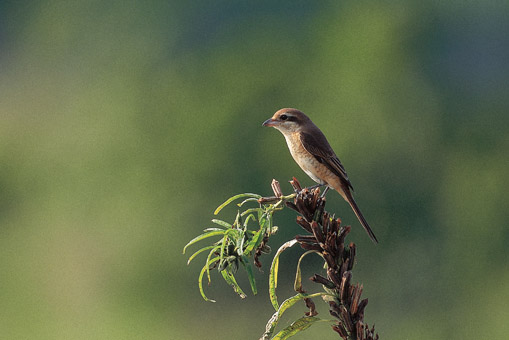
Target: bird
{"x": 313, "y": 153}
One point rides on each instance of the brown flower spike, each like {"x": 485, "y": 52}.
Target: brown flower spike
{"x": 327, "y": 237}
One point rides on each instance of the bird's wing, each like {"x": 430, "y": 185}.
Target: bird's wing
{"x": 321, "y": 150}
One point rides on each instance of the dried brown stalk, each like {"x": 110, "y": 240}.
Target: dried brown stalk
{"x": 327, "y": 236}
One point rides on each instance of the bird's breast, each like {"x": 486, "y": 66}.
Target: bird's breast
{"x": 307, "y": 162}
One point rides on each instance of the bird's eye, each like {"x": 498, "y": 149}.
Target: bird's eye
{"x": 283, "y": 117}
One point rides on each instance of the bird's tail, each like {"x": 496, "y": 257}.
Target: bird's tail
{"x": 357, "y": 211}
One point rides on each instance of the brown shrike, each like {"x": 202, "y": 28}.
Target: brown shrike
{"x": 313, "y": 154}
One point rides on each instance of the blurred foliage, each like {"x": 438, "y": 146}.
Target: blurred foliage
{"x": 118, "y": 119}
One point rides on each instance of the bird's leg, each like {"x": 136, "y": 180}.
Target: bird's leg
{"x": 324, "y": 192}
{"x": 315, "y": 186}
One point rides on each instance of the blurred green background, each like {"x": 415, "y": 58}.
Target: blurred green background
{"x": 123, "y": 125}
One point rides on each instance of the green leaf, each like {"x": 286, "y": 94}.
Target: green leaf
{"x": 231, "y": 199}
{"x": 200, "y": 278}
{"x": 231, "y": 236}
{"x": 201, "y": 237}
{"x": 297, "y": 286}
{"x": 248, "y": 211}
{"x": 240, "y": 245}
{"x": 209, "y": 259}
{"x": 254, "y": 242}
{"x": 298, "y": 326}
{"x": 250, "y": 274}
{"x": 249, "y": 217}
{"x": 296, "y": 298}
{"x": 247, "y": 200}
{"x": 263, "y": 220}
{"x": 224, "y": 244}
{"x": 222, "y": 223}
{"x": 213, "y": 229}
{"x": 198, "y": 252}
{"x": 274, "y": 272}
{"x": 272, "y": 323}
{"x": 238, "y": 220}
{"x": 230, "y": 279}
{"x": 234, "y": 234}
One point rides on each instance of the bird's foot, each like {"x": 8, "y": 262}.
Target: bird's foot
{"x": 327, "y": 188}
{"x": 315, "y": 186}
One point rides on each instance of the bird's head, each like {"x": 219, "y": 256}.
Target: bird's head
{"x": 287, "y": 120}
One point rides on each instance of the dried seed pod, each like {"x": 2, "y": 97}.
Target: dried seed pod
{"x": 324, "y": 281}
{"x": 303, "y": 209}
{"x": 331, "y": 243}
{"x": 291, "y": 205}
{"x": 317, "y": 231}
{"x": 318, "y": 207}
{"x": 360, "y": 309}
{"x": 345, "y": 317}
{"x": 276, "y": 188}
{"x": 360, "y": 330}
{"x": 355, "y": 300}
{"x": 342, "y": 233}
{"x": 344, "y": 267}
{"x": 333, "y": 276}
{"x": 335, "y": 307}
{"x": 344, "y": 287}
{"x": 315, "y": 195}
{"x": 306, "y": 238}
{"x": 331, "y": 263}
{"x": 340, "y": 330}
{"x": 351, "y": 256}
{"x": 304, "y": 224}
{"x": 295, "y": 184}
{"x": 325, "y": 221}
{"x": 308, "y": 246}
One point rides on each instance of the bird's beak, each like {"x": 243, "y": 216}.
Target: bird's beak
{"x": 270, "y": 122}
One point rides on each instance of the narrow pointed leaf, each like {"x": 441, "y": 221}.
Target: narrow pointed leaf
{"x": 249, "y": 211}
{"x": 238, "y": 220}
{"x": 298, "y": 326}
{"x": 297, "y": 286}
{"x": 263, "y": 220}
{"x": 247, "y": 200}
{"x": 230, "y": 279}
{"x": 200, "y": 278}
{"x": 240, "y": 245}
{"x": 222, "y": 223}
{"x": 213, "y": 229}
{"x": 254, "y": 242}
{"x": 274, "y": 272}
{"x": 250, "y": 274}
{"x": 296, "y": 298}
{"x": 271, "y": 325}
{"x": 224, "y": 243}
{"x": 231, "y": 199}
{"x": 198, "y": 252}
{"x": 249, "y": 217}
{"x": 209, "y": 257}
{"x": 235, "y": 234}
{"x": 201, "y": 237}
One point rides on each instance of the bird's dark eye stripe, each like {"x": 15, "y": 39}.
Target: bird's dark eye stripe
{"x": 288, "y": 118}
